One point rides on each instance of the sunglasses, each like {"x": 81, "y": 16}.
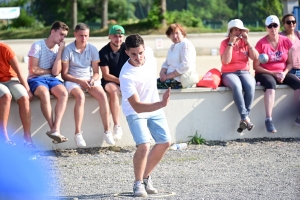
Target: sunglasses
{"x": 272, "y": 25}
{"x": 289, "y": 22}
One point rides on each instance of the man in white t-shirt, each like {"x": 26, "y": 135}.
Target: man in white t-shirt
{"x": 143, "y": 110}
{"x": 44, "y": 66}
{"x": 80, "y": 71}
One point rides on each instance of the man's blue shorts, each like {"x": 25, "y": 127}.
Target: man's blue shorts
{"x": 48, "y": 82}
{"x": 155, "y": 123}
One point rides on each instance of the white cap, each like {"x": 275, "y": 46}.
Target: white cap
{"x": 236, "y": 23}
{"x": 272, "y": 19}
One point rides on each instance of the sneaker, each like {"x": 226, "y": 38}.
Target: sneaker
{"x": 118, "y": 132}
{"x": 108, "y": 137}
{"x": 270, "y": 126}
{"x": 297, "y": 122}
{"x": 149, "y": 186}
{"x": 79, "y": 141}
{"x": 139, "y": 189}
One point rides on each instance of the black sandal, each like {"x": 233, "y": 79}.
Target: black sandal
{"x": 243, "y": 126}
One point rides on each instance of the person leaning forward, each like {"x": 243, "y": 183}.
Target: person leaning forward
{"x": 44, "y": 66}
{"x": 112, "y": 59}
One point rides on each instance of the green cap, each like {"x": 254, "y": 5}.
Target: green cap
{"x": 116, "y": 29}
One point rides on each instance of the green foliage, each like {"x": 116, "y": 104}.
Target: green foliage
{"x": 184, "y": 17}
{"x": 24, "y": 20}
{"x": 196, "y": 139}
{"x": 154, "y": 17}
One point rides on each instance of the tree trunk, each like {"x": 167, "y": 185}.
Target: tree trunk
{"x": 163, "y": 8}
{"x": 104, "y": 13}
{"x": 74, "y": 14}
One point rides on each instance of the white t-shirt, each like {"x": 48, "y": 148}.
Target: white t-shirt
{"x": 181, "y": 57}
{"x": 140, "y": 80}
{"x": 46, "y": 56}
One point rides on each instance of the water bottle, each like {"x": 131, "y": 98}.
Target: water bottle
{"x": 179, "y": 146}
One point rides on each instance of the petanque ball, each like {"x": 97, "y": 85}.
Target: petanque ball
{"x": 263, "y": 58}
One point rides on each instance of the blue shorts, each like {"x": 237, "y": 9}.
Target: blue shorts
{"x": 156, "y": 124}
{"x": 48, "y": 82}
{"x": 296, "y": 72}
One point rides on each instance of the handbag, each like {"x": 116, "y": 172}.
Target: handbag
{"x": 212, "y": 79}
{"x": 189, "y": 78}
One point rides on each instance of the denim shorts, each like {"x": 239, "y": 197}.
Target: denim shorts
{"x": 155, "y": 125}
{"x": 48, "y": 82}
{"x": 296, "y": 72}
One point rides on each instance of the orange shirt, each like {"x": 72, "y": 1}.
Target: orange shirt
{"x": 239, "y": 60}
{"x": 6, "y": 71}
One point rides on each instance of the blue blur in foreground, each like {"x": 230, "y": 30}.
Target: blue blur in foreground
{"x": 20, "y": 177}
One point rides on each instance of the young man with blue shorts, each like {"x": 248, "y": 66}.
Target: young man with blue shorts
{"x": 143, "y": 110}
{"x": 44, "y": 66}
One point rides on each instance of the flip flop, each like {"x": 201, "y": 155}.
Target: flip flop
{"x": 57, "y": 138}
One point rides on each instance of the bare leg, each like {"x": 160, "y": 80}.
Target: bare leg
{"x": 154, "y": 157}
{"x": 78, "y": 108}
{"x": 114, "y": 93}
{"x": 140, "y": 161}
{"x": 61, "y": 94}
{"x": 43, "y": 94}
{"x": 269, "y": 102}
{"x": 101, "y": 97}
{"x": 25, "y": 116}
{"x": 5, "y": 102}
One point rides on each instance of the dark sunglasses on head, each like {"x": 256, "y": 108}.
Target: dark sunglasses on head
{"x": 289, "y": 22}
{"x": 272, "y": 25}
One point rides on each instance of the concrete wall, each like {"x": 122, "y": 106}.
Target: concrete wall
{"x": 212, "y": 113}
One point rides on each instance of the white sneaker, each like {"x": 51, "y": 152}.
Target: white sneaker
{"x": 118, "y": 132}
{"x": 149, "y": 186}
{"x": 79, "y": 141}
{"x": 108, "y": 137}
{"x": 139, "y": 189}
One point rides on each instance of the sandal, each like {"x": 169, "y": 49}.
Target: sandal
{"x": 56, "y": 137}
{"x": 29, "y": 145}
{"x": 10, "y": 143}
{"x": 243, "y": 126}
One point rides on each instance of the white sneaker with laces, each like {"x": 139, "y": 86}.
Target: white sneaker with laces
{"x": 108, "y": 137}
{"x": 139, "y": 189}
{"x": 149, "y": 186}
{"x": 118, "y": 132}
{"x": 79, "y": 141}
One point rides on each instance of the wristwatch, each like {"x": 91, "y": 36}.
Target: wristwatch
{"x": 230, "y": 44}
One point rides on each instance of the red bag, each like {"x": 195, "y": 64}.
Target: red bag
{"x": 212, "y": 79}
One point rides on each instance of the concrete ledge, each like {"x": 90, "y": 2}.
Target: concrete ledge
{"x": 212, "y": 113}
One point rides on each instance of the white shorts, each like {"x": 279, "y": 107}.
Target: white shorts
{"x": 71, "y": 85}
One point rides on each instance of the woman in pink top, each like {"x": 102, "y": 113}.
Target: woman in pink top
{"x": 235, "y": 52}
{"x": 275, "y": 70}
{"x": 290, "y": 24}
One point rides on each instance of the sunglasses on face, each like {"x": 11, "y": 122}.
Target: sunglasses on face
{"x": 272, "y": 25}
{"x": 289, "y": 22}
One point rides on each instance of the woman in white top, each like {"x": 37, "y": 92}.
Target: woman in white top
{"x": 181, "y": 58}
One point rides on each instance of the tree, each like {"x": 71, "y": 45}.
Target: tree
{"x": 104, "y": 13}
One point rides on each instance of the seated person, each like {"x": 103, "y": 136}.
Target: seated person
{"x": 80, "y": 71}
{"x": 181, "y": 58}
{"x": 235, "y": 52}
{"x": 13, "y": 84}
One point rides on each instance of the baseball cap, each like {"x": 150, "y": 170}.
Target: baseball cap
{"x": 116, "y": 29}
{"x": 236, "y": 23}
{"x": 272, "y": 19}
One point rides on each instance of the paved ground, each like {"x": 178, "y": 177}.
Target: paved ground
{"x": 244, "y": 169}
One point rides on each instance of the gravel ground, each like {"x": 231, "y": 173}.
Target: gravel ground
{"x": 240, "y": 169}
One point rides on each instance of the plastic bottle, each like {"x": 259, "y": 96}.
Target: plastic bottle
{"x": 179, "y": 146}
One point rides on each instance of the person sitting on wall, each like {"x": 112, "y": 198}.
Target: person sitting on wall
{"x": 181, "y": 59}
